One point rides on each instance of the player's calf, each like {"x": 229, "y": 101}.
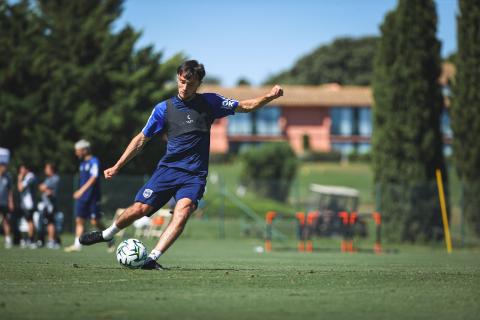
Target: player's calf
{"x": 132, "y": 213}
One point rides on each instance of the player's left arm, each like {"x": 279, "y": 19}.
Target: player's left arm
{"x": 255, "y": 103}
{"x": 94, "y": 171}
{"x": 90, "y": 182}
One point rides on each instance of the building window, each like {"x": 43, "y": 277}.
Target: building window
{"x": 268, "y": 121}
{"x": 264, "y": 122}
{"x": 350, "y": 147}
{"x": 342, "y": 121}
{"x": 365, "y": 121}
{"x": 363, "y": 148}
{"x": 239, "y": 124}
{"x": 350, "y": 121}
{"x": 343, "y": 147}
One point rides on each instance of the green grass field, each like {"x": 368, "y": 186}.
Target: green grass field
{"x": 226, "y": 279}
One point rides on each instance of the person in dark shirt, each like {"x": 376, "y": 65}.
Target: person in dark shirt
{"x": 7, "y": 205}
{"x": 88, "y": 195}
{"x": 186, "y": 119}
{"x": 48, "y": 203}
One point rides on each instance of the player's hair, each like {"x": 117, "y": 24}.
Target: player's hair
{"x": 27, "y": 165}
{"x": 191, "y": 68}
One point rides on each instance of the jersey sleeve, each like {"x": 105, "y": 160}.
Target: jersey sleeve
{"x": 94, "y": 169}
{"x": 28, "y": 180}
{"x": 221, "y": 106}
{"x": 156, "y": 120}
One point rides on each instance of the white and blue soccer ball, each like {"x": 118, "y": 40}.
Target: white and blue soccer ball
{"x": 131, "y": 253}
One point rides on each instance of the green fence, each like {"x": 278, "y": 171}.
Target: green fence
{"x": 226, "y": 199}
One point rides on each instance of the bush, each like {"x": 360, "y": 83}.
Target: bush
{"x": 221, "y": 157}
{"x": 313, "y": 156}
{"x": 269, "y": 169}
{"x": 359, "y": 157}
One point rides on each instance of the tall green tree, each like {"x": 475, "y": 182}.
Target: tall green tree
{"x": 407, "y": 141}
{"x": 20, "y": 77}
{"x": 73, "y": 77}
{"x": 346, "y": 61}
{"x": 465, "y": 109}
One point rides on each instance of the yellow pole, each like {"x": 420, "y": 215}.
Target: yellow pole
{"x": 443, "y": 206}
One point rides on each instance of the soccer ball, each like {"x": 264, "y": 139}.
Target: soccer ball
{"x": 131, "y": 253}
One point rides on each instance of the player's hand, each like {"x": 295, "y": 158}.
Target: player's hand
{"x": 77, "y": 194}
{"x": 110, "y": 172}
{"x": 276, "y": 92}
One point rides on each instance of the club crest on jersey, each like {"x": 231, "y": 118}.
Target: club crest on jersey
{"x": 147, "y": 193}
{"x": 189, "y": 120}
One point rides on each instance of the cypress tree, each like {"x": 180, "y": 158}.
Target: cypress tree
{"x": 465, "y": 109}
{"x": 407, "y": 142}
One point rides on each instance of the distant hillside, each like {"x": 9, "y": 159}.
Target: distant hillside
{"x": 346, "y": 61}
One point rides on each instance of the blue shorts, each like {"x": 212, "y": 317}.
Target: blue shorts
{"x": 166, "y": 183}
{"x": 89, "y": 209}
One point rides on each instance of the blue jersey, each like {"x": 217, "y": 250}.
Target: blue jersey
{"x": 188, "y": 151}
{"x": 90, "y": 168}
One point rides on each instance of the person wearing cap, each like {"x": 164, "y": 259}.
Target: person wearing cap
{"x": 88, "y": 195}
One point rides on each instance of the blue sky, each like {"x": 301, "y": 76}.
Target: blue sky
{"x": 253, "y": 39}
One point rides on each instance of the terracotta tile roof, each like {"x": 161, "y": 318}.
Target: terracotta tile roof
{"x": 327, "y": 95}
{"x": 302, "y": 96}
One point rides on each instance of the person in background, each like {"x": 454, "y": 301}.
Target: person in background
{"x": 26, "y": 187}
{"x": 7, "y": 205}
{"x": 88, "y": 195}
{"x": 48, "y": 203}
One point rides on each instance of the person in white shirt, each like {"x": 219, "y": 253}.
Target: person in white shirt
{"x": 26, "y": 186}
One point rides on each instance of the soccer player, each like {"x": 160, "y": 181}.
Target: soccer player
{"x": 26, "y": 181}
{"x": 186, "y": 119}
{"x": 88, "y": 196}
{"x": 48, "y": 204}
{"x": 7, "y": 205}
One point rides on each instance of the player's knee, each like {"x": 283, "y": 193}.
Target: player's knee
{"x": 183, "y": 213}
{"x": 140, "y": 210}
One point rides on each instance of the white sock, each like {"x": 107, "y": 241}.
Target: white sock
{"x": 8, "y": 239}
{"x": 155, "y": 254}
{"x": 77, "y": 242}
{"x": 108, "y": 233}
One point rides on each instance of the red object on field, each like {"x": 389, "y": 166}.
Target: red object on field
{"x": 300, "y": 217}
{"x": 344, "y": 216}
{"x": 312, "y": 216}
{"x": 270, "y": 216}
{"x": 377, "y": 217}
{"x": 353, "y": 218}
{"x": 158, "y": 221}
{"x": 309, "y": 246}
{"x": 301, "y": 246}
{"x": 268, "y": 246}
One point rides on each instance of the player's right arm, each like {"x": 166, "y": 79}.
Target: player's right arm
{"x": 134, "y": 147}
{"x": 153, "y": 126}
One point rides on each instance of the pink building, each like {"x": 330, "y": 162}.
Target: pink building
{"x": 326, "y": 117}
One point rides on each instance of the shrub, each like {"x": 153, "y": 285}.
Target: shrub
{"x": 269, "y": 169}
